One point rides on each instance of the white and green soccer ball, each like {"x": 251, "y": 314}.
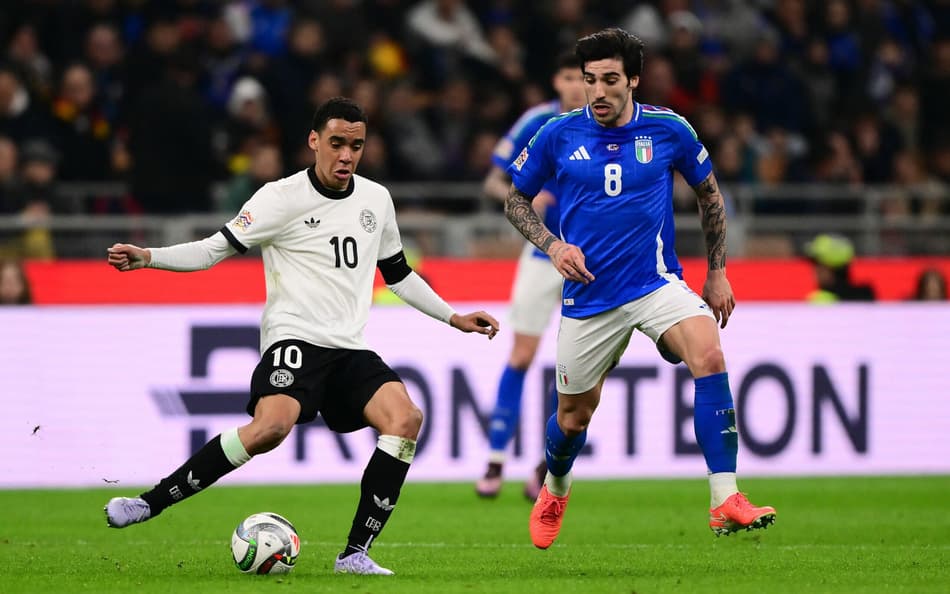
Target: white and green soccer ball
{"x": 265, "y": 543}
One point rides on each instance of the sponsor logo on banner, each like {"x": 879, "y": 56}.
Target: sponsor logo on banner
{"x": 862, "y": 405}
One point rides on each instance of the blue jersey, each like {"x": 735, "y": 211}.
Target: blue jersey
{"x": 516, "y": 139}
{"x": 616, "y": 197}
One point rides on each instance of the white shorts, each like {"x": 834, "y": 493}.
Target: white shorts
{"x": 590, "y": 347}
{"x": 536, "y": 292}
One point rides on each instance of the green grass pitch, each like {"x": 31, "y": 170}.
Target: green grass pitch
{"x": 885, "y": 534}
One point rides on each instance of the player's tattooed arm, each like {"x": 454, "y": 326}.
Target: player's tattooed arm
{"x": 525, "y": 219}
{"x": 712, "y": 212}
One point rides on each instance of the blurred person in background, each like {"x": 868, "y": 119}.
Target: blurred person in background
{"x": 14, "y": 285}
{"x": 536, "y": 291}
{"x": 9, "y": 177}
{"x": 931, "y": 286}
{"x": 170, "y": 142}
{"x": 831, "y": 256}
{"x": 323, "y": 233}
{"x": 83, "y": 131}
{"x": 265, "y": 166}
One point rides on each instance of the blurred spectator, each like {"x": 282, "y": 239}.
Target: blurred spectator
{"x": 14, "y": 285}
{"x": 265, "y": 166}
{"x": 903, "y": 114}
{"x": 821, "y": 85}
{"x": 104, "y": 55}
{"x": 448, "y": 37}
{"x": 931, "y": 286}
{"x": 763, "y": 85}
{"x": 831, "y": 256}
{"x": 875, "y": 143}
{"x": 374, "y": 162}
{"x": 19, "y": 118}
{"x": 24, "y": 51}
{"x": 270, "y": 22}
{"x": 9, "y": 178}
{"x": 83, "y": 131}
{"x": 248, "y": 124}
{"x": 935, "y": 95}
{"x": 415, "y": 151}
{"x": 170, "y": 143}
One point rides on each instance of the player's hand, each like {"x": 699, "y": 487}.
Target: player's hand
{"x": 126, "y": 257}
{"x": 478, "y": 321}
{"x": 569, "y": 261}
{"x": 717, "y": 293}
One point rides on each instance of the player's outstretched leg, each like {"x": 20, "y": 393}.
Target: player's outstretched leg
{"x": 715, "y": 424}
{"x": 547, "y": 514}
{"x": 218, "y": 457}
{"x": 501, "y": 427}
{"x": 379, "y": 491}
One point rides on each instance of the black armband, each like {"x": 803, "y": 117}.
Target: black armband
{"x": 394, "y": 268}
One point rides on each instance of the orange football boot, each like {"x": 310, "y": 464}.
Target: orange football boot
{"x": 546, "y": 517}
{"x": 737, "y": 513}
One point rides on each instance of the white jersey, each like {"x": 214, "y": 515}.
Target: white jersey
{"x": 320, "y": 250}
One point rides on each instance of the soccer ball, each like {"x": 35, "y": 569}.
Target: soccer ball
{"x": 265, "y": 543}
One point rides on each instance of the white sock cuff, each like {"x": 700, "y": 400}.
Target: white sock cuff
{"x": 399, "y": 448}
{"x": 233, "y": 448}
{"x": 496, "y": 457}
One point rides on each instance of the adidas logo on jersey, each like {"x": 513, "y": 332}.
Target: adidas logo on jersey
{"x": 311, "y": 223}
{"x": 580, "y": 154}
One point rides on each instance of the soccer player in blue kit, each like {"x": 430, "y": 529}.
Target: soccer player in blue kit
{"x": 537, "y": 286}
{"x": 613, "y": 163}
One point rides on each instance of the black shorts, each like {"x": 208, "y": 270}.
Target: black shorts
{"x": 336, "y": 383}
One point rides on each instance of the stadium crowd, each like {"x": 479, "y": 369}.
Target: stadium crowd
{"x": 174, "y": 96}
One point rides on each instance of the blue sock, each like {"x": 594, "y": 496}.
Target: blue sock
{"x": 560, "y": 450}
{"x": 714, "y": 420}
{"x": 504, "y": 417}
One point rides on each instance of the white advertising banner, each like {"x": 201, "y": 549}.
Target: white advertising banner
{"x": 94, "y": 395}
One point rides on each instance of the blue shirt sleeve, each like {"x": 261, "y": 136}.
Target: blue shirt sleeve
{"x": 534, "y": 165}
{"x": 692, "y": 158}
{"x": 518, "y": 137}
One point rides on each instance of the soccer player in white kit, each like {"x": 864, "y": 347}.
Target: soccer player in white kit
{"x": 613, "y": 164}
{"x": 323, "y": 232}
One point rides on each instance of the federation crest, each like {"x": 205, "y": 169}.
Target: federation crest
{"x": 644, "y": 149}
{"x": 281, "y": 378}
{"x": 368, "y": 220}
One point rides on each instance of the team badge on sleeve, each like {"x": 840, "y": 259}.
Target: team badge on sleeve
{"x": 368, "y": 220}
{"x": 644, "y": 148}
{"x": 519, "y": 162}
{"x": 243, "y": 220}
{"x": 702, "y": 156}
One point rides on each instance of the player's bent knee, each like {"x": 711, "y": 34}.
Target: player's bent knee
{"x": 409, "y": 423}
{"x": 710, "y": 361}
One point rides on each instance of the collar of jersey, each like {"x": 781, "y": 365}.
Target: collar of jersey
{"x": 325, "y": 191}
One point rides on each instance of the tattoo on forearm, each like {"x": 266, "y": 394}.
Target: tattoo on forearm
{"x": 523, "y": 217}
{"x": 712, "y": 213}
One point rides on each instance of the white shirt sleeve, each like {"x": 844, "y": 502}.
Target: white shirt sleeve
{"x": 195, "y": 255}
{"x": 390, "y": 243}
{"x": 261, "y": 219}
{"x": 416, "y": 292}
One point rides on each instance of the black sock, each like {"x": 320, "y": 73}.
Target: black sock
{"x": 204, "y": 468}
{"x": 379, "y": 491}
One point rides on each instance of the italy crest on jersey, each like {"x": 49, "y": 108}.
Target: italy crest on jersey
{"x": 644, "y": 148}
